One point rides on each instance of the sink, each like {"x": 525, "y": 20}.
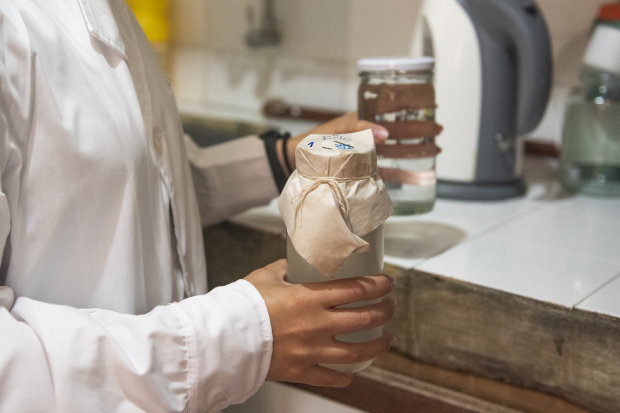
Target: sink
{"x": 419, "y": 239}
{"x": 211, "y": 131}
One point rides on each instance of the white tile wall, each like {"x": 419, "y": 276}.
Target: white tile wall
{"x": 381, "y": 28}
{"x": 322, "y": 39}
{"x": 228, "y": 23}
{"x": 191, "y": 22}
{"x": 190, "y": 71}
{"x": 315, "y": 29}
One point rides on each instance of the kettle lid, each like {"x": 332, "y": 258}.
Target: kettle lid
{"x": 376, "y": 64}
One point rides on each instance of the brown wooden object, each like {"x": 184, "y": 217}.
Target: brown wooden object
{"x": 279, "y": 109}
{"x": 534, "y": 147}
{"x": 462, "y": 327}
{"x": 566, "y": 352}
{"x": 518, "y": 398}
{"x": 376, "y": 390}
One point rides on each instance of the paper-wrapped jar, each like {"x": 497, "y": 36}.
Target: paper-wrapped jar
{"x": 334, "y": 206}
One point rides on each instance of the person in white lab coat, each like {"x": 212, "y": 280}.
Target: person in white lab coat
{"x": 100, "y": 230}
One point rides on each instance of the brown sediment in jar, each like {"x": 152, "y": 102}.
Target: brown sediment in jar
{"x": 407, "y": 111}
{"x": 423, "y": 148}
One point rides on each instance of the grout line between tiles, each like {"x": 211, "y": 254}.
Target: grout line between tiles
{"x": 512, "y": 218}
{"x": 605, "y": 284}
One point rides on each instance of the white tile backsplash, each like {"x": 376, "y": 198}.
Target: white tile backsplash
{"x": 246, "y": 80}
{"x": 381, "y": 28}
{"x": 190, "y": 74}
{"x": 314, "y": 29}
{"x": 324, "y": 33}
{"x": 308, "y": 82}
{"x": 191, "y": 27}
{"x": 237, "y": 79}
{"x": 228, "y": 23}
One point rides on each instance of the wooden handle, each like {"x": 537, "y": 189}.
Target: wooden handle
{"x": 280, "y": 109}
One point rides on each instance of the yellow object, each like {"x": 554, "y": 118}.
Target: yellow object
{"x": 153, "y": 17}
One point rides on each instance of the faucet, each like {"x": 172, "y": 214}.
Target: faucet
{"x": 267, "y": 34}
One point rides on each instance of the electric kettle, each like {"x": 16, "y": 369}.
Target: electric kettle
{"x": 492, "y": 81}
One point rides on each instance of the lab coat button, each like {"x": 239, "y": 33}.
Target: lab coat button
{"x": 158, "y": 144}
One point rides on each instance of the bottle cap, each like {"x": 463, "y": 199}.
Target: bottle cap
{"x": 609, "y": 11}
{"x": 378, "y": 64}
{"x": 604, "y": 49}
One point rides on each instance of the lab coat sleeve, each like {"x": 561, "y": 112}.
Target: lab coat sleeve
{"x": 230, "y": 177}
{"x": 198, "y": 355}
{"x": 16, "y": 74}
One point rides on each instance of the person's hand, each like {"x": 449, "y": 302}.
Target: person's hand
{"x": 304, "y": 321}
{"x": 350, "y": 123}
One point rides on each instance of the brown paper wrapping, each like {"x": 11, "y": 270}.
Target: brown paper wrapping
{"x": 334, "y": 198}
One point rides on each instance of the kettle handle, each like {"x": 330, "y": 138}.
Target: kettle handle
{"x": 521, "y": 27}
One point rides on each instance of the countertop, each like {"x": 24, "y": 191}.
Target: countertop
{"x": 520, "y": 291}
{"x": 550, "y": 246}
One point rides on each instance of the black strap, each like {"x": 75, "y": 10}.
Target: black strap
{"x": 270, "y": 138}
{"x": 285, "y": 139}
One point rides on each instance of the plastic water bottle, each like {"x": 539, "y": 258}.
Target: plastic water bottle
{"x": 590, "y": 160}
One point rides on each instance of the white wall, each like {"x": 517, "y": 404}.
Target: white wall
{"x": 314, "y": 65}
{"x": 322, "y": 40}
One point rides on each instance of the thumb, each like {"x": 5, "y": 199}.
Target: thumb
{"x": 272, "y": 274}
{"x": 277, "y": 270}
{"x": 379, "y": 132}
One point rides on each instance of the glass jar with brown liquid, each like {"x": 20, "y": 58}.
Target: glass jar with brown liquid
{"x": 398, "y": 94}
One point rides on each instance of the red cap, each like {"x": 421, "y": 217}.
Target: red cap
{"x": 609, "y": 11}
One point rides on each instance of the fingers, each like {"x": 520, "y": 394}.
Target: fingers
{"x": 345, "y": 291}
{"x": 351, "y": 320}
{"x": 351, "y": 353}
{"x": 379, "y": 132}
{"x": 325, "y": 377}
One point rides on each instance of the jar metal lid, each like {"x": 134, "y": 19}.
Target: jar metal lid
{"x": 378, "y": 64}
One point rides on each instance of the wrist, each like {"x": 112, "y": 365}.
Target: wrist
{"x": 290, "y": 150}
{"x": 285, "y": 150}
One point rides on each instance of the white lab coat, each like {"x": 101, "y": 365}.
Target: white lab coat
{"x": 97, "y": 210}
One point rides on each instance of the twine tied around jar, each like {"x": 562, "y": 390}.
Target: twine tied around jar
{"x": 341, "y": 199}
